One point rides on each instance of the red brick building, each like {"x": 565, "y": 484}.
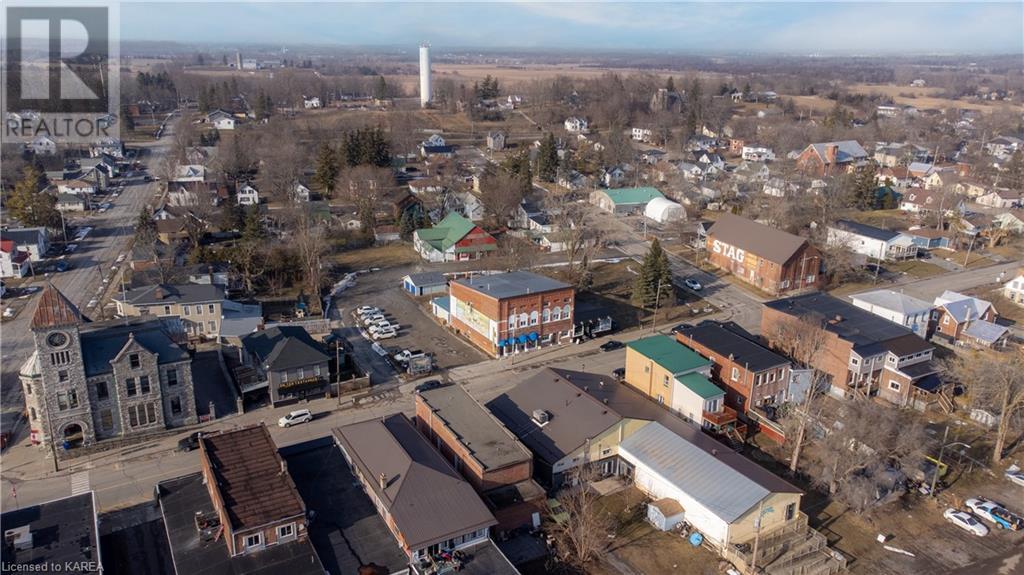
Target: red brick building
{"x": 478, "y": 446}
{"x": 955, "y": 313}
{"x": 831, "y": 158}
{"x": 511, "y": 312}
{"x": 768, "y": 258}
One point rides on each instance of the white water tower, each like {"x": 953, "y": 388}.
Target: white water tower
{"x": 425, "y": 88}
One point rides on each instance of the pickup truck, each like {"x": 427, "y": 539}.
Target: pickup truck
{"x": 406, "y": 355}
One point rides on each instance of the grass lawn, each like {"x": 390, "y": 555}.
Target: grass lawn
{"x": 882, "y": 218}
{"x": 916, "y": 268}
{"x": 377, "y": 256}
{"x": 976, "y": 260}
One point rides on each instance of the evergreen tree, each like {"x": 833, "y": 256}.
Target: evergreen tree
{"x": 380, "y": 90}
{"x": 29, "y": 205}
{"x": 654, "y": 270}
{"x": 260, "y": 106}
{"x": 406, "y": 225}
{"x": 327, "y": 169}
{"x": 145, "y": 228}
{"x": 252, "y": 231}
{"x": 670, "y": 84}
{"x": 547, "y": 159}
{"x": 864, "y": 186}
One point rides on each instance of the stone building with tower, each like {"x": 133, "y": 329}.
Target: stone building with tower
{"x": 91, "y": 381}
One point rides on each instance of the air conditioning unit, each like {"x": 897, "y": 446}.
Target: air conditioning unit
{"x": 541, "y": 417}
{"x": 20, "y": 537}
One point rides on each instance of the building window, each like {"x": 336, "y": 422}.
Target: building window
{"x": 790, "y": 511}
{"x": 945, "y": 320}
{"x": 211, "y": 326}
{"x": 665, "y": 381}
{"x": 894, "y": 385}
{"x": 524, "y": 320}
{"x": 545, "y": 315}
{"x": 60, "y": 358}
{"x": 167, "y": 310}
{"x": 735, "y": 376}
{"x": 253, "y": 541}
{"x": 133, "y": 361}
{"x": 172, "y": 376}
{"x": 133, "y": 419}
{"x": 854, "y": 361}
{"x": 106, "y": 420}
{"x": 211, "y": 309}
{"x": 284, "y": 376}
{"x": 144, "y": 384}
{"x": 151, "y": 412}
{"x": 101, "y": 390}
{"x": 186, "y": 309}
{"x": 566, "y": 311}
{"x": 285, "y": 532}
{"x": 647, "y": 369}
{"x": 175, "y": 405}
{"x": 199, "y": 310}
{"x": 32, "y": 413}
{"x": 661, "y": 399}
{"x": 129, "y": 386}
{"x": 62, "y": 375}
{"x": 511, "y": 321}
{"x": 534, "y": 318}
{"x": 199, "y": 327}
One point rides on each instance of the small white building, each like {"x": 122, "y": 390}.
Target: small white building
{"x": 301, "y": 193}
{"x": 871, "y": 241}
{"x": 221, "y": 120}
{"x": 1013, "y": 290}
{"x": 248, "y": 196}
{"x": 757, "y": 153}
{"x": 899, "y": 308}
{"x": 76, "y": 186}
{"x": 642, "y": 134}
{"x": 42, "y": 145}
{"x": 312, "y": 103}
{"x": 1001, "y": 198}
{"x": 575, "y": 125}
{"x": 190, "y": 173}
{"x": 664, "y": 210}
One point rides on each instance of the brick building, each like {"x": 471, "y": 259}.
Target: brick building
{"x": 89, "y": 381}
{"x": 966, "y": 320}
{"x": 765, "y": 257}
{"x": 831, "y": 158}
{"x": 861, "y": 354}
{"x": 511, "y": 312}
{"x": 495, "y": 463}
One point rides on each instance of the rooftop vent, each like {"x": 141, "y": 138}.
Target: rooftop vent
{"x": 19, "y": 537}
{"x": 541, "y": 417}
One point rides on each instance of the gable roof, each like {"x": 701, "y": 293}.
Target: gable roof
{"x": 54, "y": 310}
{"x": 986, "y": 331}
{"x": 669, "y": 354}
{"x": 174, "y": 294}
{"x": 627, "y": 196}
{"x": 427, "y": 500}
{"x": 767, "y": 242}
{"x": 250, "y": 477}
{"x": 449, "y": 232}
{"x": 848, "y": 150}
{"x": 284, "y": 347}
{"x": 962, "y": 307}
{"x": 865, "y": 230}
{"x": 893, "y": 301}
{"x": 22, "y": 236}
{"x": 730, "y": 340}
{"x": 511, "y": 284}
{"x": 104, "y": 341}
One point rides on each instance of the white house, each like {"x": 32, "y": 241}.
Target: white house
{"x": 14, "y": 263}
{"x": 871, "y": 241}
{"x": 575, "y": 125}
{"x": 897, "y": 307}
{"x": 1001, "y": 198}
{"x": 301, "y": 193}
{"x": 35, "y": 241}
{"x": 248, "y": 196}
{"x": 42, "y": 145}
{"x": 189, "y": 173}
{"x": 1013, "y": 290}
{"x": 642, "y": 134}
{"x": 221, "y": 120}
{"x": 779, "y": 188}
{"x": 757, "y": 153}
{"x": 75, "y": 186}
{"x": 312, "y": 103}
{"x": 110, "y": 146}
{"x": 71, "y": 203}
{"x": 434, "y": 141}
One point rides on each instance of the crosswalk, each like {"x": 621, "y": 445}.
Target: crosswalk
{"x": 80, "y": 483}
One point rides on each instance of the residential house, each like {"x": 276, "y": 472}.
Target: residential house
{"x": 198, "y": 155}
{"x": 765, "y": 257}
{"x": 651, "y": 156}
{"x": 1002, "y": 198}
{"x": 861, "y": 354}
{"x": 242, "y": 513}
{"x": 927, "y": 238}
{"x": 1004, "y": 146}
{"x": 779, "y": 188}
{"x": 531, "y": 216}
{"x": 75, "y": 186}
{"x": 828, "y": 158}
{"x": 71, "y": 203}
{"x": 311, "y": 103}
{"x": 1013, "y": 221}
{"x": 615, "y": 175}
{"x": 386, "y": 233}
{"x": 425, "y": 503}
{"x": 575, "y": 125}
{"x": 573, "y": 180}
{"x": 42, "y": 146}
{"x": 287, "y": 362}
{"x": 753, "y": 171}
{"x": 709, "y": 160}
{"x": 897, "y": 307}
{"x": 436, "y": 147}
{"x": 898, "y": 177}
{"x": 113, "y": 147}
{"x": 189, "y": 173}
{"x": 301, "y": 193}
{"x": 61, "y": 532}
{"x": 14, "y": 262}
{"x": 193, "y": 193}
{"x": 971, "y": 188}
{"x": 221, "y": 120}
{"x": 877, "y": 243}
{"x": 1013, "y": 290}
{"x": 511, "y": 312}
{"x": 204, "y": 309}
{"x": 35, "y": 241}
{"x": 642, "y": 134}
{"x": 247, "y": 195}
{"x": 479, "y": 447}
{"x": 757, "y": 153}
{"x": 454, "y": 238}
{"x": 496, "y": 141}
{"x": 918, "y": 201}
{"x": 624, "y": 201}
{"x": 966, "y": 320}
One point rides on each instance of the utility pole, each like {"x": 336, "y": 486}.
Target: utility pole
{"x": 938, "y": 464}
{"x": 657, "y": 301}
{"x": 757, "y": 536}
{"x": 969, "y": 248}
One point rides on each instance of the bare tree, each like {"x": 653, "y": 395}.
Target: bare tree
{"x": 996, "y": 383}
{"x": 365, "y": 186}
{"x": 501, "y": 194}
{"x": 578, "y": 234}
{"x": 280, "y": 168}
{"x": 519, "y": 253}
{"x": 582, "y": 538}
{"x": 309, "y": 236}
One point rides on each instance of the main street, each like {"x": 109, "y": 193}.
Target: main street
{"x": 89, "y": 265}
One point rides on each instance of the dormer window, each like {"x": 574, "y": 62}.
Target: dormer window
{"x": 133, "y": 361}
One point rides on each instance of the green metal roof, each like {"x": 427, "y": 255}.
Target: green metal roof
{"x": 622, "y": 196}
{"x": 700, "y": 385}
{"x": 669, "y": 354}
{"x": 448, "y": 232}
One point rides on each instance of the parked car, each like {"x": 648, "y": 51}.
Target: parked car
{"x": 693, "y": 284}
{"x": 367, "y": 320}
{"x": 965, "y": 521}
{"x": 381, "y": 326}
{"x": 612, "y": 345}
{"x": 385, "y": 334}
{"x": 295, "y": 418}
{"x": 189, "y": 442}
{"x": 994, "y": 513}
{"x": 428, "y": 385}
{"x": 619, "y": 373}
{"x": 681, "y": 327}
{"x": 406, "y": 355}
{"x": 367, "y": 310}
{"x": 9, "y": 313}
{"x": 1015, "y": 476}
{"x": 379, "y": 350}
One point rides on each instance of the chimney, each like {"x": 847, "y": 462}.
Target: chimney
{"x": 159, "y": 293}
{"x": 383, "y": 480}
{"x": 831, "y": 153}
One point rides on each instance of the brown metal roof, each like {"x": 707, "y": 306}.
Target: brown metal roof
{"x": 55, "y": 310}
{"x": 764, "y": 241}
{"x": 251, "y": 477}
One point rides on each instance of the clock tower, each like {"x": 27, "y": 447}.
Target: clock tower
{"x": 56, "y": 393}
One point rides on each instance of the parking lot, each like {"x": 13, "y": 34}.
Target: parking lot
{"x": 417, "y": 331}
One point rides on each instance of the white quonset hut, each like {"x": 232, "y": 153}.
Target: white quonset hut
{"x": 664, "y": 210}
{"x": 717, "y": 500}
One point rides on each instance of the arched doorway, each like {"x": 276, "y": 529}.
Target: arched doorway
{"x": 74, "y": 436}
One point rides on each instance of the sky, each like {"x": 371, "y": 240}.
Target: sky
{"x": 700, "y": 27}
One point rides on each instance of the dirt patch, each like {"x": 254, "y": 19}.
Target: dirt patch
{"x": 391, "y": 255}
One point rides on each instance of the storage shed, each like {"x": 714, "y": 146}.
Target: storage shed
{"x": 665, "y": 513}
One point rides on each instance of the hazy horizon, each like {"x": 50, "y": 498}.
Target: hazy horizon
{"x": 827, "y": 28}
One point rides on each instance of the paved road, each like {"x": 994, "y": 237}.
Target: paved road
{"x": 90, "y": 264}
{"x": 927, "y": 289}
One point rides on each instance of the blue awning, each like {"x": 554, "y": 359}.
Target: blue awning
{"x": 502, "y": 343}
{"x": 522, "y": 339}
{"x": 533, "y": 336}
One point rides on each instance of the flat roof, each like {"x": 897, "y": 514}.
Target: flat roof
{"x": 251, "y": 477}
{"x": 851, "y": 323}
{"x": 700, "y": 385}
{"x": 484, "y": 437}
{"x": 511, "y": 284}
{"x": 730, "y": 340}
{"x": 181, "y": 499}
{"x": 63, "y": 530}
